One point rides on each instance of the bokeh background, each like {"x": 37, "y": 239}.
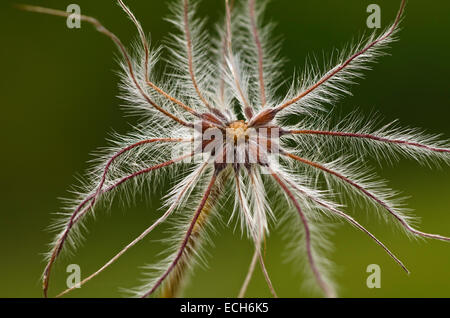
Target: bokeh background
{"x": 59, "y": 103}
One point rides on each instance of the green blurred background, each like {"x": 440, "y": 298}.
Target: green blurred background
{"x": 59, "y": 103}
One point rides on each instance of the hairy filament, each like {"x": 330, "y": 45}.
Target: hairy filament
{"x": 367, "y": 193}
{"x": 323, "y": 285}
{"x": 100, "y": 28}
{"x": 224, "y": 59}
{"x": 351, "y": 221}
{"x": 93, "y": 198}
{"x": 247, "y": 108}
{"x": 141, "y": 34}
{"x": 189, "y": 232}
{"x": 63, "y": 237}
{"x": 366, "y": 136}
{"x": 261, "y": 234}
{"x": 243, "y": 204}
{"x": 136, "y": 240}
{"x": 146, "y": 50}
{"x": 190, "y": 57}
{"x": 257, "y": 253}
{"x": 173, "y": 283}
{"x": 251, "y": 4}
{"x": 341, "y": 67}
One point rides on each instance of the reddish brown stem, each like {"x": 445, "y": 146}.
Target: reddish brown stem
{"x": 141, "y": 34}
{"x": 81, "y": 211}
{"x": 190, "y": 55}
{"x": 336, "y": 70}
{"x": 247, "y": 108}
{"x": 326, "y": 289}
{"x": 368, "y": 194}
{"x": 366, "y": 136}
{"x": 353, "y": 222}
{"x": 146, "y": 62}
{"x": 224, "y": 58}
{"x": 136, "y": 240}
{"x": 187, "y": 236}
{"x": 257, "y": 40}
{"x": 100, "y": 28}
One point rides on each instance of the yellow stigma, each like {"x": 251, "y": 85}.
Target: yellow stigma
{"x": 238, "y": 129}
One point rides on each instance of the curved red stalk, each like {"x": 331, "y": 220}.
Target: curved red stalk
{"x": 147, "y": 54}
{"x": 134, "y": 242}
{"x": 323, "y": 285}
{"x": 187, "y": 236}
{"x": 80, "y": 211}
{"x": 257, "y": 40}
{"x": 100, "y": 28}
{"x": 368, "y": 194}
{"x": 366, "y": 136}
{"x": 355, "y": 223}
{"x": 335, "y": 71}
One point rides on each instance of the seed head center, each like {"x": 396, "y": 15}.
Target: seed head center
{"x": 238, "y": 129}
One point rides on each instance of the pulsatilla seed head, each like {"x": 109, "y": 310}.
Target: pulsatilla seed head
{"x": 297, "y": 169}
